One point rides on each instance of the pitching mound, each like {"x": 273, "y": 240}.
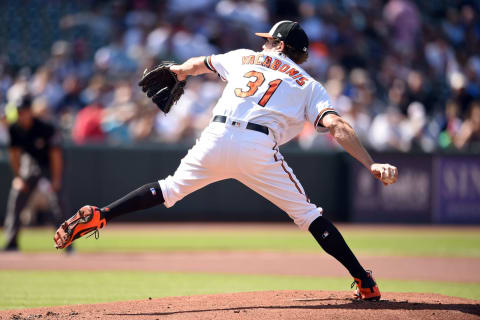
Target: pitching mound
{"x": 267, "y": 305}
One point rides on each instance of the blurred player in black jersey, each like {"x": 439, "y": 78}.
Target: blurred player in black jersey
{"x": 35, "y": 155}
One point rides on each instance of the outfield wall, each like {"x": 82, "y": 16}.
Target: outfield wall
{"x": 99, "y": 174}
{"x": 431, "y": 188}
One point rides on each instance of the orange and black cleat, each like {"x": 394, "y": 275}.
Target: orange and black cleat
{"x": 88, "y": 219}
{"x": 367, "y": 288}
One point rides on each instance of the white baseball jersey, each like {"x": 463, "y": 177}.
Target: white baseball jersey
{"x": 271, "y": 90}
{"x": 263, "y": 89}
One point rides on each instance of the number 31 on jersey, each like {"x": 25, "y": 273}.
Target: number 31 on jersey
{"x": 254, "y": 85}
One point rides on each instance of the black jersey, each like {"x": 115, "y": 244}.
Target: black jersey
{"x": 36, "y": 141}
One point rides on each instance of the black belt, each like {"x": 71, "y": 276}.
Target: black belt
{"x": 250, "y": 126}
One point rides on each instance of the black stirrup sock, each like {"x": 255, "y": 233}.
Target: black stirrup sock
{"x": 145, "y": 197}
{"x": 330, "y": 239}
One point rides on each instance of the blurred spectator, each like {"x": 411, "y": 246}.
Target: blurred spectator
{"x": 458, "y": 84}
{"x": 452, "y": 27}
{"x": 417, "y": 90}
{"x": 113, "y": 60}
{"x": 404, "y": 20}
{"x": 158, "y": 40}
{"x": 441, "y": 57}
{"x": 45, "y": 86}
{"x": 41, "y": 110}
{"x": 385, "y": 133}
{"x": 469, "y": 133}
{"x": 413, "y": 126}
{"x": 142, "y": 125}
{"x": 71, "y": 100}
{"x": 450, "y": 124}
{"x": 97, "y": 90}
{"x": 119, "y": 114}
{"x": 136, "y": 21}
{"x": 88, "y": 125}
{"x": 175, "y": 126}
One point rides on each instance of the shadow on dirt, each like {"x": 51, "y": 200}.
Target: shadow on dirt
{"x": 473, "y": 309}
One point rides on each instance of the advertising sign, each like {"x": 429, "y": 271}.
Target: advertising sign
{"x": 457, "y": 189}
{"x": 408, "y": 200}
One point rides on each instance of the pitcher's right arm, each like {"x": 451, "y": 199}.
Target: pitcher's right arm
{"x": 347, "y": 138}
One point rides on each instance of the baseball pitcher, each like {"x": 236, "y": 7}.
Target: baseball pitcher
{"x": 267, "y": 98}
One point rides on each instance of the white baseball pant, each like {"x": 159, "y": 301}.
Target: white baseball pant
{"x": 226, "y": 151}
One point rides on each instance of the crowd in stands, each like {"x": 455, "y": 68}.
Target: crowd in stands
{"x": 404, "y": 73}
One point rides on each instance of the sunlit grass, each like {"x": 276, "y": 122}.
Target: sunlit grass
{"x": 376, "y": 241}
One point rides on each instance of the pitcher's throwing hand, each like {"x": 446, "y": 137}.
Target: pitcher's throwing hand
{"x": 384, "y": 172}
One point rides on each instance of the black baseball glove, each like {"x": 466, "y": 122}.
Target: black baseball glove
{"x": 162, "y": 86}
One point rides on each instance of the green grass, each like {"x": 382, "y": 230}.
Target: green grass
{"x": 29, "y": 289}
{"x": 405, "y": 242}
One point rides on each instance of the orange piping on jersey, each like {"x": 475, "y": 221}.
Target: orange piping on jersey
{"x": 276, "y": 64}
{"x": 320, "y": 115}
{"x": 248, "y": 59}
{"x": 209, "y": 60}
{"x": 288, "y": 173}
{"x": 257, "y": 59}
{"x": 267, "y": 62}
{"x": 284, "y": 68}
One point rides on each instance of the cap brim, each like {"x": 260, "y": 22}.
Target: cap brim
{"x": 264, "y": 35}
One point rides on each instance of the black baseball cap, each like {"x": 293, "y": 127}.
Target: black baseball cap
{"x": 289, "y": 32}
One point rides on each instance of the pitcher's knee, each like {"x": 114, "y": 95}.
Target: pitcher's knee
{"x": 172, "y": 191}
{"x": 165, "y": 186}
{"x": 303, "y": 220}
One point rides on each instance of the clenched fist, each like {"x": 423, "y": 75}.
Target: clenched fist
{"x": 384, "y": 172}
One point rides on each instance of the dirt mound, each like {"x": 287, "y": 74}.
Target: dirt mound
{"x": 267, "y": 305}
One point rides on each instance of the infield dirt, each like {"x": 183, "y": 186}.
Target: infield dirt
{"x": 267, "y": 305}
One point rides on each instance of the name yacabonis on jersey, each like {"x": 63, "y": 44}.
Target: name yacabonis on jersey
{"x": 275, "y": 64}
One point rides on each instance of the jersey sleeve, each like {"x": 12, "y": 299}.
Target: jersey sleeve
{"x": 319, "y": 106}
{"x": 224, "y": 64}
